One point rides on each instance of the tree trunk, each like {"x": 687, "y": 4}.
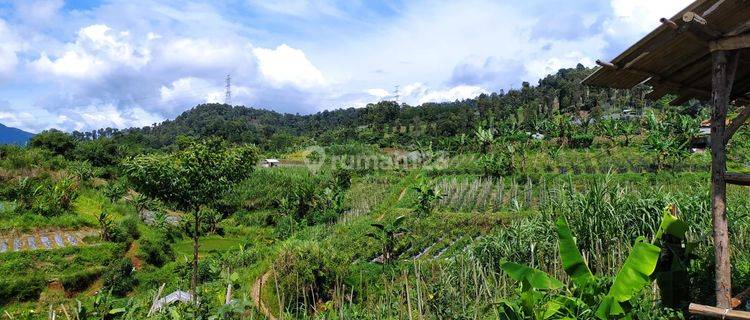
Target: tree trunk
{"x": 724, "y": 67}
{"x": 196, "y": 237}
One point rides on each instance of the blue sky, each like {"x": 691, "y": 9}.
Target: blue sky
{"x": 81, "y": 65}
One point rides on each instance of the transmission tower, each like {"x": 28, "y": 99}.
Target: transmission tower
{"x": 397, "y": 95}
{"x": 228, "y": 96}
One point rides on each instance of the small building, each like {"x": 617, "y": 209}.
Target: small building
{"x": 270, "y": 163}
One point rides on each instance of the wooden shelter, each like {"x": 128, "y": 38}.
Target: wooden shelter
{"x": 702, "y": 53}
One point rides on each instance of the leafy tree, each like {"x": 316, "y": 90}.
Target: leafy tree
{"x": 191, "y": 178}
{"x": 60, "y": 143}
{"x": 141, "y": 204}
{"x": 387, "y": 234}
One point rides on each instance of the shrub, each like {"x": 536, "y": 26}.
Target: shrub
{"x": 21, "y": 288}
{"x": 304, "y": 264}
{"x": 114, "y": 191}
{"x": 130, "y": 227}
{"x": 119, "y": 277}
{"x": 80, "y": 280}
{"x": 45, "y": 197}
{"x": 497, "y": 164}
{"x": 582, "y": 140}
{"x": 156, "y": 251}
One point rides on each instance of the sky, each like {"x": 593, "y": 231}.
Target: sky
{"x": 88, "y": 64}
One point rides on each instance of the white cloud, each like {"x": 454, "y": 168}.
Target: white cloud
{"x": 378, "y": 93}
{"x": 285, "y": 65}
{"x": 96, "y": 51}
{"x": 540, "y": 68}
{"x": 456, "y": 93}
{"x": 10, "y": 45}
{"x": 633, "y": 18}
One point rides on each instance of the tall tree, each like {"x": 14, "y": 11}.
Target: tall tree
{"x": 191, "y": 178}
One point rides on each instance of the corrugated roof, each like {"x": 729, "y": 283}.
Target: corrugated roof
{"x": 676, "y": 57}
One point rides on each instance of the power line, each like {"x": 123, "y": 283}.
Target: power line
{"x": 228, "y": 96}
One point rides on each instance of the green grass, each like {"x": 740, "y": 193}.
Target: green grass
{"x": 208, "y": 245}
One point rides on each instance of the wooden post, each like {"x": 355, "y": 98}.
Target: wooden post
{"x": 724, "y": 68}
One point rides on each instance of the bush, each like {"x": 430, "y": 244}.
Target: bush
{"x": 129, "y": 226}
{"x": 79, "y": 281}
{"x": 21, "y": 288}
{"x": 45, "y": 197}
{"x": 580, "y": 141}
{"x": 119, "y": 277}
{"x": 304, "y": 264}
{"x": 156, "y": 251}
{"x": 497, "y": 165}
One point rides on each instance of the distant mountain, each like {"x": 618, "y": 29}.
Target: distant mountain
{"x": 10, "y": 135}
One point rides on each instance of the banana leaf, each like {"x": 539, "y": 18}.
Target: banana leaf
{"x": 535, "y": 278}
{"x": 572, "y": 260}
{"x": 671, "y": 225}
{"x": 633, "y": 277}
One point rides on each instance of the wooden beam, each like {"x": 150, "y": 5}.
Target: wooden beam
{"x": 722, "y": 78}
{"x": 739, "y": 30}
{"x": 730, "y": 43}
{"x": 720, "y": 313}
{"x": 737, "y": 123}
{"x": 739, "y": 179}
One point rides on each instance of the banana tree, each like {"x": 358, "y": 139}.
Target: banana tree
{"x": 544, "y": 297}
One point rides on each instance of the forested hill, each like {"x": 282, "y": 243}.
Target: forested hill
{"x": 388, "y": 123}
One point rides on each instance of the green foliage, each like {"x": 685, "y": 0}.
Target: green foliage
{"x": 426, "y": 197}
{"x": 305, "y": 264}
{"x": 56, "y": 141}
{"x": 45, "y": 197}
{"x": 119, "y": 278}
{"x": 114, "y": 191}
{"x": 26, "y": 273}
{"x": 387, "y": 234}
{"x": 636, "y": 273}
{"x": 191, "y": 177}
{"x": 498, "y": 164}
{"x": 581, "y": 140}
{"x": 156, "y": 251}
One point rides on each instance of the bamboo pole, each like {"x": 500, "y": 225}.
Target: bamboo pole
{"x": 719, "y": 313}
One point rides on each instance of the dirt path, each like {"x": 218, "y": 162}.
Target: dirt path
{"x": 258, "y": 297}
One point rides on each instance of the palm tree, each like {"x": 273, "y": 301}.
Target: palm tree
{"x": 387, "y": 234}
